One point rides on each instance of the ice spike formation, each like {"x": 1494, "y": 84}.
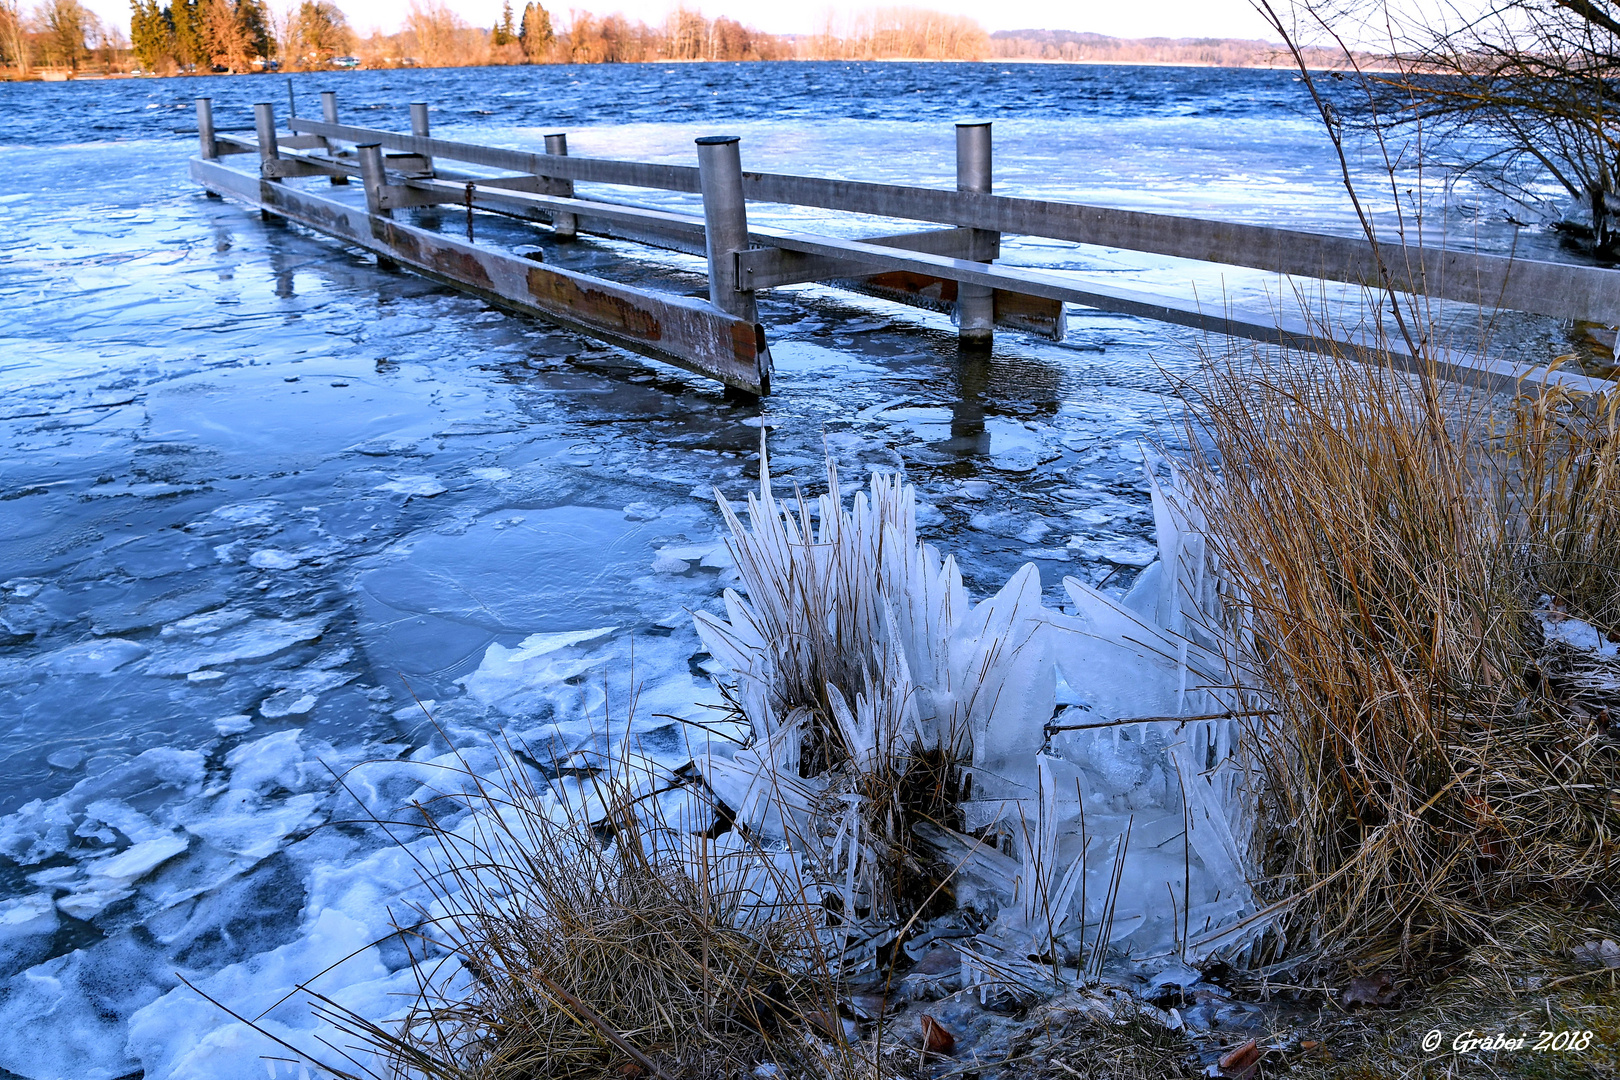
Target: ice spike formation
{"x": 857, "y": 654}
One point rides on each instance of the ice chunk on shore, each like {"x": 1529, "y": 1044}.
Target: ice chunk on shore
{"x": 540, "y": 663}
{"x": 30, "y": 914}
{"x": 253, "y": 640}
{"x": 109, "y": 880}
{"x": 414, "y": 487}
{"x": 273, "y": 559}
{"x": 1575, "y": 633}
{"x": 271, "y": 761}
{"x": 101, "y": 657}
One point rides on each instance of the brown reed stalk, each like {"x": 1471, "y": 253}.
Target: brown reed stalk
{"x": 1564, "y": 499}
{"x": 1417, "y": 773}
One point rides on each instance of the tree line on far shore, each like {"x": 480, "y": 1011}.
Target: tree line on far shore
{"x": 200, "y": 36}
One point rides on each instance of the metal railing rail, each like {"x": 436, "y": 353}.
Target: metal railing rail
{"x": 951, "y": 268}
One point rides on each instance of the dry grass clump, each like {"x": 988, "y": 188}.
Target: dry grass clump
{"x": 1417, "y": 771}
{"x": 583, "y": 937}
{"x": 1123, "y": 1043}
{"x": 1566, "y": 497}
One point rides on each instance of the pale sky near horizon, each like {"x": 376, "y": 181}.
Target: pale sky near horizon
{"x": 1167, "y": 18}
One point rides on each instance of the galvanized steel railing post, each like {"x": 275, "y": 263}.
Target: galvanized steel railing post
{"x": 373, "y": 175}
{"x": 975, "y": 304}
{"x": 561, "y": 224}
{"x": 264, "y": 124}
{"x": 725, "y": 219}
{"x": 205, "y": 129}
{"x": 419, "y": 128}
{"x": 329, "y": 115}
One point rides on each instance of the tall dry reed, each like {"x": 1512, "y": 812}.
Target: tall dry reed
{"x": 1416, "y": 770}
{"x": 1564, "y": 497}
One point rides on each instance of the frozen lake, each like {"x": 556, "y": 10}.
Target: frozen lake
{"x": 260, "y": 502}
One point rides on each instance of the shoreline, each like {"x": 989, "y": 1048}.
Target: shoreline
{"x": 56, "y": 77}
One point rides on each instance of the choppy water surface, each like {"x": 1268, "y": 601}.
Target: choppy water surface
{"x": 257, "y": 497}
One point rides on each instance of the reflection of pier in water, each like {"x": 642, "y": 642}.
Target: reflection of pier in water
{"x": 949, "y": 269}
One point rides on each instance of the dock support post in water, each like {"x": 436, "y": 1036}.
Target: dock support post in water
{"x": 329, "y": 115}
{"x": 372, "y": 177}
{"x": 725, "y": 221}
{"x": 205, "y": 129}
{"x": 264, "y": 124}
{"x": 976, "y": 304}
{"x": 419, "y": 128}
{"x": 208, "y": 150}
{"x": 561, "y": 224}
{"x": 725, "y": 218}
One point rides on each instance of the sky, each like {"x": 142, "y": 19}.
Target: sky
{"x": 1164, "y": 18}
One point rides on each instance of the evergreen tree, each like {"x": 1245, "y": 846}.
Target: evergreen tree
{"x": 535, "y": 34}
{"x": 150, "y": 34}
{"x": 189, "y": 46}
{"x": 254, "y": 26}
{"x": 503, "y": 32}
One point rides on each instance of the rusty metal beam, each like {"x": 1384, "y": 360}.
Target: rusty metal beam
{"x": 1013, "y": 310}
{"x": 678, "y": 330}
{"x": 769, "y": 267}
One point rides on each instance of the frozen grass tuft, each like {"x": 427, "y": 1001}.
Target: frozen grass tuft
{"x": 586, "y": 936}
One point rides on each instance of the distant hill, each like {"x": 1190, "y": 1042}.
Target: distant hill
{"x": 1080, "y": 47}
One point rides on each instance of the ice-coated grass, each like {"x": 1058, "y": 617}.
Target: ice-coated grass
{"x": 845, "y": 605}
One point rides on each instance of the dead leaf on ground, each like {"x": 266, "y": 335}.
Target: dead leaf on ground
{"x": 1243, "y": 1061}
{"x": 936, "y": 1040}
{"x": 1371, "y": 990}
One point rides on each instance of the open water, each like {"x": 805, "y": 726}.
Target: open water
{"x": 263, "y": 507}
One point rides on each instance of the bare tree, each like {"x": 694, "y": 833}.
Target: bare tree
{"x": 1515, "y": 93}
{"x": 443, "y": 38}
{"x": 14, "y": 36}
{"x": 67, "y": 25}
{"x": 320, "y": 32}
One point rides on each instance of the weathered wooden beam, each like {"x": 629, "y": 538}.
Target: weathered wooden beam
{"x": 1025, "y": 299}
{"x": 1011, "y": 310}
{"x": 589, "y": 170}
{"x": 688, "y": 333}
{"x": 1561, "y": 290}
{"x": 233, "y": 144}
{"x": 768, "y": 267}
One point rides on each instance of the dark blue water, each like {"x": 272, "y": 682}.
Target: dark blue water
{"x": 43, "y": 114}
